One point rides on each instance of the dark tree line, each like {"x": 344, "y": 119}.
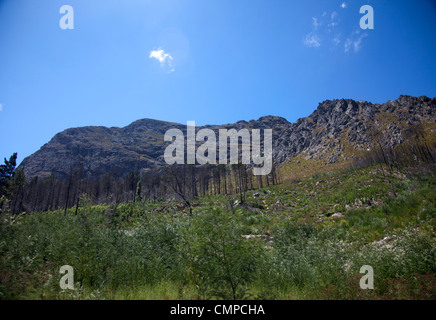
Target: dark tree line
{"x": 177, "y": 182}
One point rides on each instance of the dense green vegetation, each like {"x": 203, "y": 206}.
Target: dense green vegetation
{"x": 299, "y": 240}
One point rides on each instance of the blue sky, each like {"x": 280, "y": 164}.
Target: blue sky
{"x": 211, "y": 61}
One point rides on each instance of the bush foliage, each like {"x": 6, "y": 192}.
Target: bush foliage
{"x": 283, "y": 243}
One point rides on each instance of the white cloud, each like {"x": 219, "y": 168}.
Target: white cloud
{"x": 358, "y": 42}
{"x": 1, "y": 107}
{"x": 333, "y": 22}
{"x": 312, "y": 40}
{"x": 160, "y": 55}
{"x": 355, "y": 44}
{"x": 315, "y": 23}
{"x": 165, "y": 59}
{"x": 328, "y": 30}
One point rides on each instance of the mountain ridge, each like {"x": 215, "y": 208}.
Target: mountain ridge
{"x": 337, "y": 130}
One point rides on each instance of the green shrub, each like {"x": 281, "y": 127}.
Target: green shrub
{"x": 219, "y": 260}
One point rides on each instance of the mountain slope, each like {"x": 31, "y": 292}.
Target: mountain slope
{"x": 335, "y": 133}
{"x": 100, "y": 150}
{"x": 340, "y": 131}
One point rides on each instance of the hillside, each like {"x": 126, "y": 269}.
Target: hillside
{"x": 339, "y": 132}
{"x": 335, "y": 134}
{"x": 304, "y": 239}
{"x": 218, "y": 232}
{"x": 117, "y": 151}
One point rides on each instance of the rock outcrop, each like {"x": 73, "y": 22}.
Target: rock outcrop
{"x": 333, "y": 131}
{"x": 347, "y": 124}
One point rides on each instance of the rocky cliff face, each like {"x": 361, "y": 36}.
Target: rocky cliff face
{"x": 339, "y": 129}
{"x": 334, "y": 131}
{"x": 99, "y": 150}
{"x": 117, "y": 151}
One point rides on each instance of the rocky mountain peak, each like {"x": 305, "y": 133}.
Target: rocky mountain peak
{"x": 337, "y": 131}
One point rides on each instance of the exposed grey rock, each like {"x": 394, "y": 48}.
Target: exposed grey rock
{"x": 338, "y": 215}
{"x": 322, "y": 130}
{"x": 117, "y": 151}
{"x": 325, "y": 134}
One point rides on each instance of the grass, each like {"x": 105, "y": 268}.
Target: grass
{"x": 285, "y": 242}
